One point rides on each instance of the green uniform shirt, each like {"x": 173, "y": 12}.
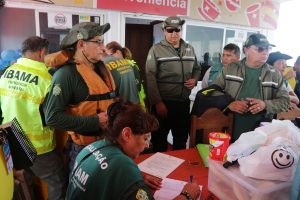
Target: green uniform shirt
{"x": 250, "y": 89}
{"x": 103, "y": 171}
{"x": 124, "y": 78}
{"x": 68, "y": 88}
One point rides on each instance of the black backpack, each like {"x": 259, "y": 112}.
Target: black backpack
{"x": 211, "y": 97}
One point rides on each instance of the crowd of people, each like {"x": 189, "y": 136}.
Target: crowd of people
{"x": 96, "y": 95}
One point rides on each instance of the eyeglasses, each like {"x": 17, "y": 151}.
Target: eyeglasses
{"x": 97, "y": 42}
{"x": 262, "y": 49}
{"x": 171, "y": 30}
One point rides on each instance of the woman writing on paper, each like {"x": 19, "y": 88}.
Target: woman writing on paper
{"x": 105, "y": 169}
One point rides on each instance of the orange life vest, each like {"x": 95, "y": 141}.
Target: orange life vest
{"x": 101, "y": 95}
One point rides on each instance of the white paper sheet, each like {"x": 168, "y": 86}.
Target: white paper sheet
{"x": 170, "y": 189}
{"x": 160, "y": 165}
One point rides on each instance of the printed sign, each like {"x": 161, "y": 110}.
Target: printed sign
{"x": 161, "y": 7}
{"x": 59, "y": 20}
{"x": 84, "y": 18}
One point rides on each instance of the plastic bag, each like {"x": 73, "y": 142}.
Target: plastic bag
{"x": 269, "y": 152}
{"x": 246, "y": 144}
{"x": 271, "y": 162}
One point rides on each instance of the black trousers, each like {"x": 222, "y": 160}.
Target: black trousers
{"x": 178, "y": 121}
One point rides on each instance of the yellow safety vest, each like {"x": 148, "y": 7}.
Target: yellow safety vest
{"x": 23, "y": 88}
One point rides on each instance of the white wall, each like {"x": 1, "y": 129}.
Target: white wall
{"x": 15, "y": 26}
{"x": 116, "y": 29}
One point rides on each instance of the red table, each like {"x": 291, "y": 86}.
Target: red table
{"x": 191, "y": 166}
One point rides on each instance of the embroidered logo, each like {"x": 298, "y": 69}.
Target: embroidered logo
{"x": 142, "y": 195}
{"x": 79, "y": 36}
{"x": 56, "y": 90}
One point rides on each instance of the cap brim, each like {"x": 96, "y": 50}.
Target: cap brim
{"x": 265, "y": 45}
{"x": 105, "y": 27}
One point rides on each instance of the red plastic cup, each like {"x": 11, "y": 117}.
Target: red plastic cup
{"x": 218, "y": 145}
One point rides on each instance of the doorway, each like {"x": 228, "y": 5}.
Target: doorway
{"x": 139, "y": 39}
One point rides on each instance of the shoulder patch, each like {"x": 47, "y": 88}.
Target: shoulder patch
{"x": 142, "y": 195}
{"x": 56, "y": 90}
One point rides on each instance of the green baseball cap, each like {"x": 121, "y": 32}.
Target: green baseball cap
{"x": 258, "y": 40}
{"x": 83, "y": 31}
{"x": 173, "y": 21}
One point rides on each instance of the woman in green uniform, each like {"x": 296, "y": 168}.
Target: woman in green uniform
{"x": 105, "y": 169}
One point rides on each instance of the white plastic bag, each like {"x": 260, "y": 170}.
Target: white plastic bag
{"x": 250, "y": 141}
{"x": 271, "y": 162}
{"x": 246, "y": 144}
{"x": 269, "y": 152}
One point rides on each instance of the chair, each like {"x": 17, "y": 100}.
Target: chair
{"x": 290, "y": 114}
{"x": 211, "y": 120}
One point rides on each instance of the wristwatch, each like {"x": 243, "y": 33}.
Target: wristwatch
{"x": 187, "y": 195}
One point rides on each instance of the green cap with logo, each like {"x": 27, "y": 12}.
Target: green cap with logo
{"x": 258, "y": 40}
{"x": 83, "y": 31}
{"x": 173, "y": 21}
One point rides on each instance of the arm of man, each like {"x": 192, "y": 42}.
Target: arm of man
{"x": 220, "y": 80}
{"x": 196, "y": 72}
{"x": 293, "y": 97}
{"x": 205, "y": 78}
{"x": 196, "y": 68}
{"x": 153, "y": 94}
{"x": 151, "y": 70}
{"x": 59, "y": 98}
{"x": 281, "y": 100}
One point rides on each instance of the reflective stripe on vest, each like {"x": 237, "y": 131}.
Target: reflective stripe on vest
{"x": 23, "y": 90}
{"x": 22, "y": 95}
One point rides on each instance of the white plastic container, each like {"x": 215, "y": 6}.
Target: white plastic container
{"x": 230, "y": 184}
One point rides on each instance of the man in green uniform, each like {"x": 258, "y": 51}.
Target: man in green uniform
{"x": 257, "y": 87}
{"x": 82, "y": 88}
{"x": 172, "y": 72}
{"x": 231, "y": 53}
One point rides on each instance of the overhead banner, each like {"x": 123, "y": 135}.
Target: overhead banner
{"x": 254, "y": 13}
{"x": 159, "y": 7}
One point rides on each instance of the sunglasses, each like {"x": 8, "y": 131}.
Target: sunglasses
{"x": 262, "y": 49}
{"x": 97, "y": 42}
{"x": 171, "y": 30}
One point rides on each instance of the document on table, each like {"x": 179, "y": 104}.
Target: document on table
{"x": 160, "y": 165}
{"x": 170, "y": 189}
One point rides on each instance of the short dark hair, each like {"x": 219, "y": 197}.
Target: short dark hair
{"x": 233, "y": 47}
{"x": 125, "y": 114}
{"x": 34, "y": 43}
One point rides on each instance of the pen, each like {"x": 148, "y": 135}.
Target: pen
{"x": 191, "y": 178}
